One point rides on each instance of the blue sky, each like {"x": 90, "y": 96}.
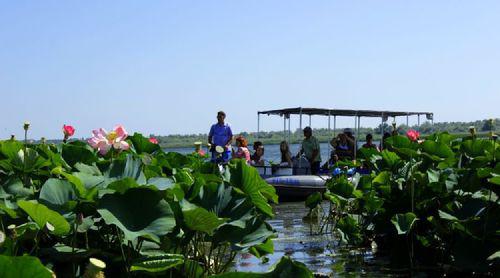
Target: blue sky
{"x": 166, "y": 67}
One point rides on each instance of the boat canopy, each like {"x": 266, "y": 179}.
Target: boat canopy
{"x": 343, "y": 112}
{"x": 357, "y": 114}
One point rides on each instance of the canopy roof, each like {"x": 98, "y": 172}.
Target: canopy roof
{"x": 342, "y": 112}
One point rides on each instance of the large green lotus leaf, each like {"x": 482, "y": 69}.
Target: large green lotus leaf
{"x": 142, "y": 144}
{"x": 399, "y": 141}
{"x": 138, "y": 212}
{"x": 404, "y": 222}
{"x": 248, "y": 180}
{"x": 340, "y": 186}
{"x": 162, "y": 183}
{"x": 158, "y": 263}
{"x": 382, "y": 178}
{"x": 199, "y": 219}
{"x": 27, "y": 160}
{"x": 22, "y": 267}
{"x": 438, "y": 149}
{"x": 285, "y": 268}
{"x": 442, "y": 137}
{"x": 56, "y": 193}
{"x": 263, "y": 249}
{"x": 74, "y": 153}
{"x": 43, "y": 215}
{"x": 10, "y": 148}
{"x": 314, "y": 200}
{"x": 475, "y": 148}
{"x": 253, "y": 232}
{"x": 390, "y": 158}
{"x": 130, "y": 167}
{"x": 16, "y": 188}
{"x": 88, "y": 169}
{"x": 495, "y": 180}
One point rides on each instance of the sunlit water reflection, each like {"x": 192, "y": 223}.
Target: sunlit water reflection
{"x": 320, "y": 253}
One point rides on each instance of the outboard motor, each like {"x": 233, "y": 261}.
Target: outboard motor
{"x": 301, "y": 166}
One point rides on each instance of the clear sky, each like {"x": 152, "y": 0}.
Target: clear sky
{"x": 167, "y": 67}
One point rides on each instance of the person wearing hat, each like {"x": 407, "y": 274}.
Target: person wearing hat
{"x": 220, "y": 135}
{"x": 197, "y": 148}
{"x": 310, "y": 148}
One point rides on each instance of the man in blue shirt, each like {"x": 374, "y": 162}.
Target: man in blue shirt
{"x": 220, "y": 135}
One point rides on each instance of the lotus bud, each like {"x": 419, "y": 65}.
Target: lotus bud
{"x": 472, "y": 130}
{"x": 26, "y": 125}
{"x": 94, "y": 269}
{"x": 12, "y": 228}
{"x": 12, "y": 137}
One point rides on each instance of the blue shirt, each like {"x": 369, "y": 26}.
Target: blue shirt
{"x": 220, "y": 134}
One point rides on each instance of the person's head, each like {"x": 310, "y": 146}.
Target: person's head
{"x": 307, "y": 131}
{"x": 284, "y": 148}
{"x": 348, "y": 132}
{"x": 343, "y": 138}
{"x": 369, "y": 138}
{"x": 257, "y": 144}
{"x": 333, "y": 156}
{"x": 259, "y": 151}
{"x": 221, "y": 116}
{"x": 241, "y": 141}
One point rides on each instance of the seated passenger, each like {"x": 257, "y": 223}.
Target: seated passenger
{"x": 369, "y": 142}
{"x": 286, "y": 155}
{"x": 257, "y": 158}
{"x": 242, "y": 151}
{"x": 382, "y": 143}
{"x": 330, "y": 164}
{"x": 342, "y": 147}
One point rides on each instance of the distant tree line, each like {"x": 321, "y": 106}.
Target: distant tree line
{"x": 324, "y": 135}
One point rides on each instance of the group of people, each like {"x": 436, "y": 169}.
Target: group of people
{"x": 344, "y": 147}
{"x": 220, "y": 139}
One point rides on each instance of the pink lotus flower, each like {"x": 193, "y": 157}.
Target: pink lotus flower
{"x": 103, "y": 141}
{"x": 413, "y": 135}
{"x": 68, "y": 131}
{"x": 153, "y": 140}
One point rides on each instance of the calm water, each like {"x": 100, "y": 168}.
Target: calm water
{"x": 272, "y": 152}
{"x": 320, "y": 253}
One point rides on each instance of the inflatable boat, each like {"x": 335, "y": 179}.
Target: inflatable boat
{"x": 297, "y": 187}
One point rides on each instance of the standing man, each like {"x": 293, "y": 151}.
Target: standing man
{"x": 310, "y": 148}
{"x": 220, "y": 135}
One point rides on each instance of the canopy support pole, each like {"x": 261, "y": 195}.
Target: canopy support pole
{"x": 334, "y": 124}
{"x": 355, "y": 139}
{"x": 289, "y": 133}
{"x": 284, "y": 127}
{"x": 408, "y": 120}
{"x": 310, "y": 116}
{"x": 329, "y": 130}
{"x": 418, "y": 122}
{"x": 382, "y": 132}
{"x": 300, "y": 121}
{"x": 258, "y": 125}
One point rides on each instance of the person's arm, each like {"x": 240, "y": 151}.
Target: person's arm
{"x": 230, "y": 139}
{"x": 315, "y": 152}
{"x": 210, "y": 135}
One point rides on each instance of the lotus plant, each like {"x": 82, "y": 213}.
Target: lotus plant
{"x": 68, "y": 131}
{"x": 104, "y": 141}
{"x": 413, "y": 135}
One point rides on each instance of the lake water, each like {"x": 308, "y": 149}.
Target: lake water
{"x": 272, "y": 152}
{"x": 320, "y": 253}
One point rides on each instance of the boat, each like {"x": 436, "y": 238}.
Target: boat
{"x": 296, "y": 183}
